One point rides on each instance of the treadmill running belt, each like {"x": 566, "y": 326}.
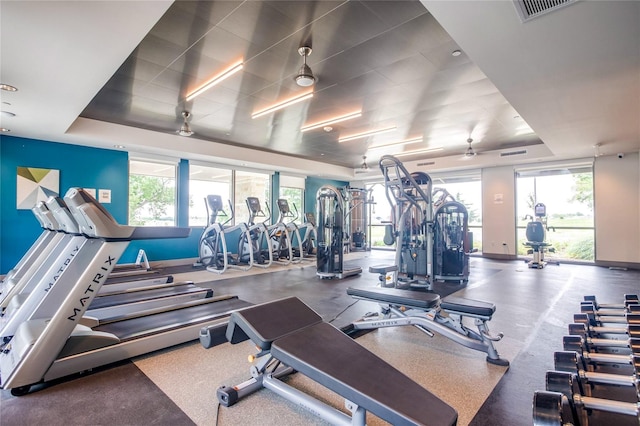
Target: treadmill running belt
{"x": 145, "y": 326}
{"x": 121, "y": 298}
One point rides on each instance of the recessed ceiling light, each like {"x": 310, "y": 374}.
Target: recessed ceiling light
{"x": 3, "y": 129}
{"x": 282, "y": 104}
{"x": 456, "y": 53}
{"x": 418, "y": 151}
{"x": 119, "y": 146}
{"x": 8, "y": 87}
{"x": 403, "y": 142}
{"x": 366, "y": 134}
{"x": 332, "y": 120}
{"x": 215, "y": 80}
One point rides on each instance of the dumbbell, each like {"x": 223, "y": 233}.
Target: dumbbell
{"x": 594, "y": 330}
{"x": 552, "y": 409}
{"x": 632, "y": 316}
{"x": 595, "y": 344}
{"x": 572, "y": 362}
{"x": 594, "y": 359}
{"x": 577, "y": 408}
{"x": 629, "y": 299}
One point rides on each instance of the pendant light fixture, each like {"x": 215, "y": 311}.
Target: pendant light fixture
{"x": 305, "y": 77}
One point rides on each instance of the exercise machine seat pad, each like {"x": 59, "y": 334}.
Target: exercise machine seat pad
{"x": 468, "y": 306}
{"x": 383, "y": 269}
{"x": 395, "y": 296}
{"x": 267, "y": 322}
{"x": 331, "y": 358}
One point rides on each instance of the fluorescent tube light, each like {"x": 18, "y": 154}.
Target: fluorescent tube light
{"x": 215, "y": 80}
{"x": 365, "y": 134}
{"x": 417, "y": 151}
{"x": 404, "y": 142}
{"x": 282, "y": 104}
{"x": 331, "y": 121}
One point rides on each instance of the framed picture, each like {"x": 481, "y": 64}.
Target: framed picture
{"x": 36, "y": 185}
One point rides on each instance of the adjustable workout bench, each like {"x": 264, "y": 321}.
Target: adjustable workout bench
{"x": 292, "y": 337}
{"x": 424, "y": 310}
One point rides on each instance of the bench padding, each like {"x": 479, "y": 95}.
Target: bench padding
{"x": 468, "y": 306}
{"x": 296, "y": 335}
{"x": 267, "y": 322}
{"x": 331, "y": 358}
{"x": 395, "y": 296}
{"x": 422, "y": 300}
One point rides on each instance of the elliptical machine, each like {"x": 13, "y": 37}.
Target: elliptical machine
{"x": 536, "y": 237}
{"x": 310, "y": 238}
{"x": 287, "y": 219}
{"x": 213, "y": 252}
{"x": 259, "y": 234}
{"x": 303, "y": 237}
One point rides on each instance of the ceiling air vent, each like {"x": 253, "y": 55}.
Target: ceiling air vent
{"x": 529, "y": 9}
{"x": 510, "y": 153}
{"x": 428, "y": 163}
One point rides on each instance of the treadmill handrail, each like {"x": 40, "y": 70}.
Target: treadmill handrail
{"x": 96, "y": 222}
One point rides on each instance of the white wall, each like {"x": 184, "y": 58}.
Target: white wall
{"x": 617, "y": 208}
{"x": 498, "y": 212}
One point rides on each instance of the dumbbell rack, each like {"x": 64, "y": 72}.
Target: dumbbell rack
{"x": 596, "y": 378}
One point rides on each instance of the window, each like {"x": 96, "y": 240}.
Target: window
{"x": 380, "y": 214}
{"x": 467, "y": 190}
{"x": 203, "y": 181}
{"x": 567, "y": 193}
{"x": 292, "y": 190}
{"x": 295, "y": 198}
{"x": 251, "y": 184}
{"x": 152, "y": 193}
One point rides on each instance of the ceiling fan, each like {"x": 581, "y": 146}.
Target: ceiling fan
{"x": 185, "y": 129}
{"x": 469, "y": 153}
{"x": 305, "y": 77}
{"x": 364, "y": 165}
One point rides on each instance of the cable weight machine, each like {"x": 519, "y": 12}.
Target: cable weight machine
{"x": 331, "y": 218}
{"x": 430, "y": 235}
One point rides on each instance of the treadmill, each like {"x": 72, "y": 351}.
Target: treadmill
{"x": 133, "y": 295}
{"x": 53, "y": 342}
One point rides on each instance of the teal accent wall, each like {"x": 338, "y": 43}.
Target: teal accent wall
{"x": 79, "y": 167}
{"x": 312, "y": 184}
{"x": 183, "y": 194}
{"x": 275, "y": 194}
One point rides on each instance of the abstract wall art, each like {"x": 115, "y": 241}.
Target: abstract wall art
{"x": 36, "y": 185}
